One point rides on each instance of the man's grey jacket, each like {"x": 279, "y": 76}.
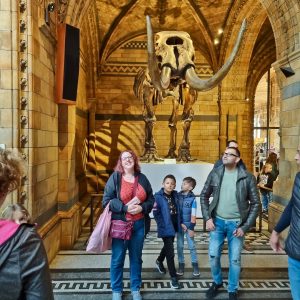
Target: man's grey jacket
{"x": 246, "y": 194}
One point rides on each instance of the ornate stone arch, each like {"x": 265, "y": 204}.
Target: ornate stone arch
{"x": 285, "y": 20}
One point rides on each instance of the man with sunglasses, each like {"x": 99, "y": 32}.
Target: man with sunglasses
{"x": 230, "y": 215}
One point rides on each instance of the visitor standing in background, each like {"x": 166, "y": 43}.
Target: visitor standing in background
{"x": 165, "y": 212}
{"x": 125, "y": 206}
{"x": 188, "y": 215}
{"x": 230, "y": 215}
{"x": 291, "y": 217}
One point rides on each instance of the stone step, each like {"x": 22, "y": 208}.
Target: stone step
{"x": 95, "y": 284}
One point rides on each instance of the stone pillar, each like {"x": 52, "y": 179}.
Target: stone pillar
{"x": 290, "y": 134}
{"x": 239, "y": 127}
{"x": 69, "y": 208}
{"x": 91, "y": 169}
{"x": 223, "y": 128}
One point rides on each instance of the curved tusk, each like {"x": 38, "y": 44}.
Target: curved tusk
{"x": 165, "y": 77}
{"x": 160, "y": 82}
{"x": 203, "y": 85}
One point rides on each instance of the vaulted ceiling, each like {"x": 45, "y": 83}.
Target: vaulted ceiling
{"x": 211, "y": 23}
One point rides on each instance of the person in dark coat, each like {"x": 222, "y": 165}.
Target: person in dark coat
{"x": 291, "y": 217}
{"x": 24, "y": 270}
{"x": 230, "y": 215}
{"x": 167, "y": 217}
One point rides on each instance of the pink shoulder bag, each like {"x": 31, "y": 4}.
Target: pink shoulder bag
{"x": 100, "y": 240}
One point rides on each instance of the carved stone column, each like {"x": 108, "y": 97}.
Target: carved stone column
{"x": 223, "y": 128}
{"x": 290, "y": 134}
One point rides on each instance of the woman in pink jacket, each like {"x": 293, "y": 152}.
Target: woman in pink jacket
{"x": 24, "y": 271}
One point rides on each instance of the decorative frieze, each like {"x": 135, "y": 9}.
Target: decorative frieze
{"x": 131, "y": 69}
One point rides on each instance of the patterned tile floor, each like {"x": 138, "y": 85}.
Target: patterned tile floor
{"x": 80, "y": 275}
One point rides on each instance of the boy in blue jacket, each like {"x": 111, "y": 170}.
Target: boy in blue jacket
{"x": 188, "y": 211}
{"x": 166, "y": 215}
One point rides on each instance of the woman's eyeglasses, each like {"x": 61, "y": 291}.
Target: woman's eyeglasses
{"x": 127, "y": 158}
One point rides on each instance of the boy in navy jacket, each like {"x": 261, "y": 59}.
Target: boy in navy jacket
{"x": 165, "y": 211}
{"x": 188, "y": 211}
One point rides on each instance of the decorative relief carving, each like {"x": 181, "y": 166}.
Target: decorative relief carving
{"x": 23, "y": 102}
{"x": 23, "y": 25}
{"x": 163, "y": 9}
{"x": 22, "y": 5}
{"x": 23, "y": 139}
{"x": 128, "y": 69}
{"x": 23, "y": 82}
{"x": 23, "y": 64}
{"x": 23, "y": 45}
{"x": 135, "y": 45}
{"x": 62, "y": 10}
{"x": 23, "y": 120}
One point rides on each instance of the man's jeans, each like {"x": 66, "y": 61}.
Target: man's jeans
{"x": 135, "y": 247}
{"x": 222, "y": 230}
{"x": 191, "y": 245}
{"x": 294, "y": 276}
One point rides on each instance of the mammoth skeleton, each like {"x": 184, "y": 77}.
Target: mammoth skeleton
{"x": 171, "y": 73}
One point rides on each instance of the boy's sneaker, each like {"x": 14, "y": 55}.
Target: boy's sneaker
{"x": 180, "y": 270}
{"x": 116, "y": 296}
{"x": 233, "y": 296}
{"x": 213, "y": 290}
{"x": 136, "y": 295}
{"x": 160, "y": 267}
{"x": 196, "y": 271}
{"x": 174, "y": 283}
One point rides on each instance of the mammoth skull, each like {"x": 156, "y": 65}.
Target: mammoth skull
{"x": 174, "y": 50}
{"x": 173, "y": 58}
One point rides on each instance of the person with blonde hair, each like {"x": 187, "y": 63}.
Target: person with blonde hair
{"x": 17, "y": 213}
{"x": 24, "y": 270}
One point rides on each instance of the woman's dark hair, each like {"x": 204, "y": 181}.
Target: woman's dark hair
{"x": 119, "y": 167}
{"x": 272, "y": 158}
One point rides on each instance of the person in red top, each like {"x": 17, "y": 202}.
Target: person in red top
{"x": 128, "y": 203}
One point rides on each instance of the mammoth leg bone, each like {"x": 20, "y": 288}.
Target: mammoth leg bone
{"x": 190, "y": 96}
{"x": 173, "y": 124}
{"x": 150, "y": 152}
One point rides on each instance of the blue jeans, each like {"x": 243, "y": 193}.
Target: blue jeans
{"x": 294, "y": 276}
{"x": 266, "y": 200}
{"x": 224, "y": 229}
{"x": 119, "y": 248}
{"x": 191, "y": 245}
